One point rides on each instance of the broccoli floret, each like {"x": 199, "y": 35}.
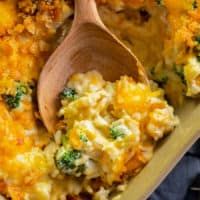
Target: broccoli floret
{"x": 69, "y": 94}
{"x": 21, "y": 90}
{"x": 116, "y": 132}
{"x": 83, "y": 138}
{"x": 66, "y": 161}
{"x": 13, "y": 101}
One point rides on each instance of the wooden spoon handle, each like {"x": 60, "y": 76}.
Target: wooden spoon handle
{"x": 86, "y": 12}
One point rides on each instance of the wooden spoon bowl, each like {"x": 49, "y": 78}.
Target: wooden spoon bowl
{"x": 88, "y": 46}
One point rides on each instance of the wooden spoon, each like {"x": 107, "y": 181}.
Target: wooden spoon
{"x": 89, "y": 45}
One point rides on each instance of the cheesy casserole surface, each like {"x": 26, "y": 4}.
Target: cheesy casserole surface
{"x": 107, "y": 131}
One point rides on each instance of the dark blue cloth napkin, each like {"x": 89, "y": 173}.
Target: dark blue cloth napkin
{"x": 178, "y": 183}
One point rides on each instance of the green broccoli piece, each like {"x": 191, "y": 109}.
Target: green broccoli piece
{"x": 13, "y": 101}
{"x": 65, "y": 160}
{"x": 83, "y": 138}
{"x": 21, "y": 90}
{"x": 69, "y": 94}
{"x": 116, "y": 132}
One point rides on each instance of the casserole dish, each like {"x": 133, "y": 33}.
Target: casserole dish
{"x": 164, "y": 35}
